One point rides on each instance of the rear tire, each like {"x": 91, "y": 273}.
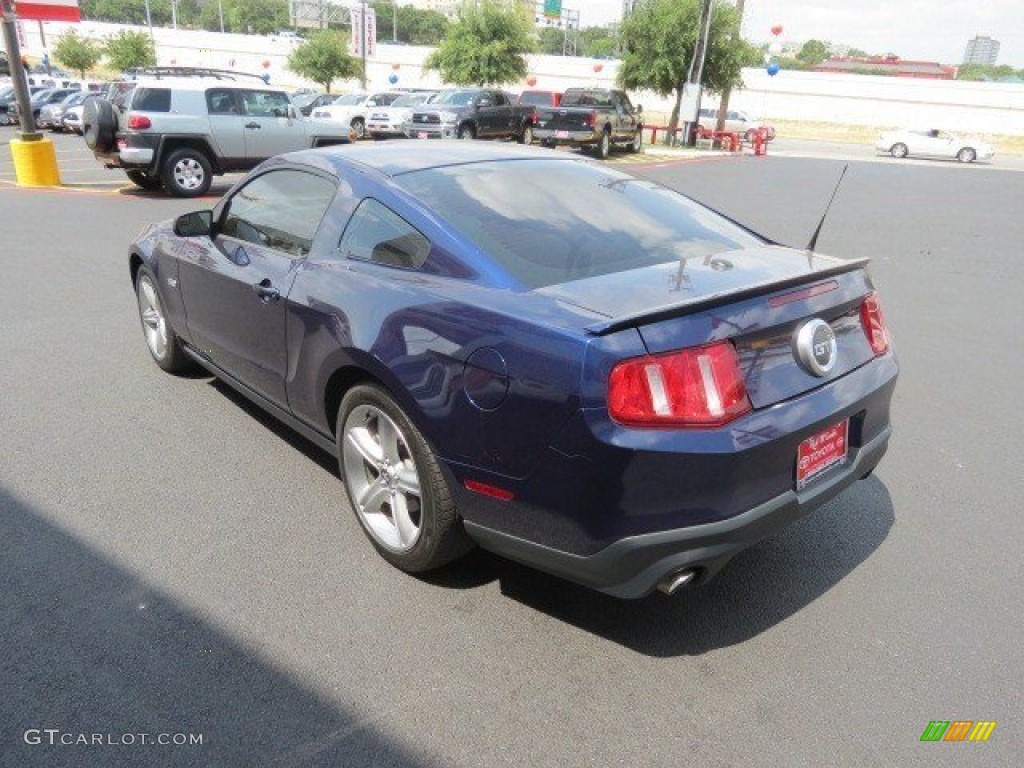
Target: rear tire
{"x": 187, "y": 173}
{"x": 604, "y": 146}
{"x": 395, "y": 484}
{"x": 898, "y": 150}
{"x": 144, "y": 180}
{"x": 526, "y": 137}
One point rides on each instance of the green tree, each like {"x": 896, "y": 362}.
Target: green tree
{"x": 857, "y": 53}
{"x": 987, "y": 72}
{"x": 551, "y": 41}
{"x": 812, "y": 53}
{"x": 323, "y": 59}
{"x": 260, "y": 17}
{"x": 597, "y": 42}
{"x": 127, "y": 49}
{"x": 658, "y": 41}
{"x": 77, "y": 53}
{"x": 421, "y": 27}
{"x": 486, "y": 45}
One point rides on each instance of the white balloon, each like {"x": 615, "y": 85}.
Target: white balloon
{"x": 775, "y": 47}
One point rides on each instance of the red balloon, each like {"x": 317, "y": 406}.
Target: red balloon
{"x": 531, "y": 81}
{"x": 777, "y": 30}
{"x": 598, "y": 67}
{"x": 266, "y": 63}
{"x": 396, "y": 66}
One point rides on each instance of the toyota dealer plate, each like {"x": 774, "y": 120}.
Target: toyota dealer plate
{"x": 821, "y": 452}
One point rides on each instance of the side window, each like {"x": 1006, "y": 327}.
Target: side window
{"x": 385, "y": 99}
{"x": 280, "y": 210}
{"x": 264, "y": 103}
{"x": 376, "y": 233}
{"x": 499, "y": 99}
{"x": 221, "y": 101}
{"x": 152, "y": 99}
{"x": 626, "y": 103}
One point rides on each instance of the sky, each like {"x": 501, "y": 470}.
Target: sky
{"x": 932, "y": 30}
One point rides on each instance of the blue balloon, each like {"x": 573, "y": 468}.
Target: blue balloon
{"x": 392, "y": 78}
{"x": 265, "y": 77}
{"x": 773, "y": 69}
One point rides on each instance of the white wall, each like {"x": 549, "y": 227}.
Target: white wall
{"x": 993, "y": 108}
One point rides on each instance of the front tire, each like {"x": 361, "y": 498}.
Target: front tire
{"x": 966, "y": 155}
{"x": 187, "y": 173}
{"x": 638, "y": 142}
{"x": 898, "y": 150}
{"x": 358, "y": 127}
{"x": 395, "y": 484}
{"x": 162, "y": 341}
{"x": 466, "y": 132}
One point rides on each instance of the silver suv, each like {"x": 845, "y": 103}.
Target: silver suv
{"x": 178, "y": 132}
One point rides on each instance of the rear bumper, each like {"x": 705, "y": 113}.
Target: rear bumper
{"x": 634, "y": 566}
{"x": 619, "y": 509}
{"x": 554, "y": 138}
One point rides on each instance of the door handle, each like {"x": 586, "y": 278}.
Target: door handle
{"x": 254, "y": 125}
{"x": 266, "y": 290}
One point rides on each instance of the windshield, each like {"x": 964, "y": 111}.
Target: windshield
{"x": 350, "y": 100}
{"x": 552, "y": 221}
{"x": 455, "y": 98}
{"x": 411, "y": 99}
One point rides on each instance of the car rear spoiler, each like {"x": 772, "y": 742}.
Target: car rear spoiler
{"x": 713, "y": 300}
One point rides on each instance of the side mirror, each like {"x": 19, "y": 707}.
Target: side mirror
{"x": 293, "y": 113}
{"x": 194, "y": 224}
{"x": 639, "y": 109}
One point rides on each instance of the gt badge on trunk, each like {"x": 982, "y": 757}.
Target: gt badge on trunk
{"x": 815, "y": 347}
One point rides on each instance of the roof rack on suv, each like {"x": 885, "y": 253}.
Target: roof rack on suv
{"x": 157, "y": 72}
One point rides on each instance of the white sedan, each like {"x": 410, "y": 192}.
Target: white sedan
{"x": 933, "y": 143}
{"x": 353, "y": 109}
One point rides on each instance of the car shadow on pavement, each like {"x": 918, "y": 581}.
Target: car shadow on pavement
{"x": 90, "y": 648}
{"x": 758, "y": 589}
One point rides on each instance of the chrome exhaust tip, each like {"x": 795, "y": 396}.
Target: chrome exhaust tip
{"x": 674, "y": 581}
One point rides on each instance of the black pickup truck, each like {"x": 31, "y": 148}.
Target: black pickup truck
{"x": 472, "y": 113}
{"x": 596, "y": 118}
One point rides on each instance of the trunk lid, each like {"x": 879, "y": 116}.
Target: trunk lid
{"x": 758, "y": 298}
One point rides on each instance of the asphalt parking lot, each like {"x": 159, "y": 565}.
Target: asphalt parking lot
{"x": 174, "y": 562}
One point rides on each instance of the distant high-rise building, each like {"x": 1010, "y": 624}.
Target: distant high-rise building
{"x": 981, "y": 50}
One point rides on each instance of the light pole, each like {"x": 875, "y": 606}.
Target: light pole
{"x": 220, "y": 10}
{"x": 149, "y": 23}
{"x": 18, "y": 78}
{"x": 362, "y": 42}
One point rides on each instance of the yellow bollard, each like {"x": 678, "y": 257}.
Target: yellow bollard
{"x": 35, "y": 163}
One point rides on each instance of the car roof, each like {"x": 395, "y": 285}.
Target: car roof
{"x": 396, "y": 158}
{"x": 199, "y": 84}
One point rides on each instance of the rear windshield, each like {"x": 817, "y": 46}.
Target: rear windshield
{"x": 537, "y": 98}
{"x": 152, "y": 99}
{"x": 587, "y": 99}
{"x": 552, "y": 221}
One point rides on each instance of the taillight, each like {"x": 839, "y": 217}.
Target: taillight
{"x": 698, "y": 387}
{"x": 873, "y": 322}
{"x": 138, "y": 122}
{"x": 591, "y": 119}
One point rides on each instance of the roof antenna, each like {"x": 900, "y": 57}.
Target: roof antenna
{"x": 817, "y": 230}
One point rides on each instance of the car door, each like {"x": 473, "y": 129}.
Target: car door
{"x": 485, "y": 113}
{"x": 269, "y": 129}
{"x": 235, "y": 291}
{"x": 627, "y": 120}
{"x": 227, "y": 125}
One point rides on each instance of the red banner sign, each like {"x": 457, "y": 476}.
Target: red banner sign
{"x": 48, "y": 10}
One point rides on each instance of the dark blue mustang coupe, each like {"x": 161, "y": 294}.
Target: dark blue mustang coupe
{"x": 520, "y": 349}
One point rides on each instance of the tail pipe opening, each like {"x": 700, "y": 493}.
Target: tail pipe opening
{"x": 676, "y": 580}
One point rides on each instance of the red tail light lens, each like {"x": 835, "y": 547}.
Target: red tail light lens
{"x": 138, "y": 122}
{"x": 699, "y": 387}
{"x": 873, "y": 322}
{"x": 591, "y": 119}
